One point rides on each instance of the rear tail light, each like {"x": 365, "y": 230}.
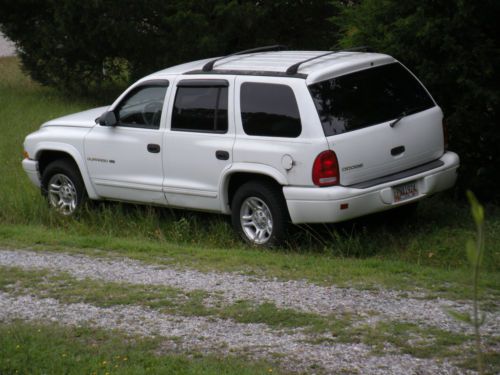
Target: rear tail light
{"x": 326, "y": 169}
{"x": 445, "y": 134}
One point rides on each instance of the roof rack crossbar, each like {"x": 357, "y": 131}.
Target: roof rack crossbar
{"x": 209, "y": 66}
{"x": 293, "y": 69}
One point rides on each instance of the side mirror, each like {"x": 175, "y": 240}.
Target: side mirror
{"x": 107, "y": 119}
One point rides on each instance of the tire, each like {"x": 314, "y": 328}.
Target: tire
{"x": 259, "y": 214}
{"x": 63, "y": 187}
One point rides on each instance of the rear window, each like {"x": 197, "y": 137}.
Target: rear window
{"x": 368, "y": 97}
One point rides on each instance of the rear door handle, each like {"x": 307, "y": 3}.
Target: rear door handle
{"x": 397, "y": 150}
{"x": 222, "y": 155}
{"x": 154, "y": 148}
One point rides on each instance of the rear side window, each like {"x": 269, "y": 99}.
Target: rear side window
{"x": 269, "y": 110}
{"x": 200, "y": 109}
{"x": 368, "y": 97}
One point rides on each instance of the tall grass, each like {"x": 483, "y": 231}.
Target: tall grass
{"x": 434, "y": 236}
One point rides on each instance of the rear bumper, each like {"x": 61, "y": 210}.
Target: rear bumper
{"x": 31, "y": 169}
{"x": 323, "y": 205}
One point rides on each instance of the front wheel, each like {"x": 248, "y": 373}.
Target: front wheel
{"x": 259, "y": 214}
{"x": 63, "y": 186}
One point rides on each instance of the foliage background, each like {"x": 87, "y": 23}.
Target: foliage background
{"x": 454, "y": 48}
{"x": 97, "y": 47}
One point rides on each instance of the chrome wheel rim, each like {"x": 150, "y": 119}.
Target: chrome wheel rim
{"x": 62, "y": 194}
{"x": 256, "y": 220}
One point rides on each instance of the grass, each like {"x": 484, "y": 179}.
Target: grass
{"x": 426, "y": 251}
{"x": 402, "y": 337}
{"x": 434, "y": 237}
{"x": 81, "y": 350}
{"x": 370, "y": 272}
{"x": 67, "y": 289}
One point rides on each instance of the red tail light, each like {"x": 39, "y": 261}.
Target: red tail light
{"x": 445, "y": 135}
{"x": 326, "y": 169}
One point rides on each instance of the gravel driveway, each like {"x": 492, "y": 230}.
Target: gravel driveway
{"x": 300, "y": 350}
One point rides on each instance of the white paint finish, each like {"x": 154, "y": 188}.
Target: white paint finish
{"x": 68, "y": 140}
{"x": 322, "y": 205}
{"x": 192, "y": 173}
{"x": 31, "y": 169}
{"x": 120, "y": 165}
{"x": 421, "y": 134}
{"x": 84, "y": 119}
{"x": 187, "y": 174}
{"x": 270, "y": 150}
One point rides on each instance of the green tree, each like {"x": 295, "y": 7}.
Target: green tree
{"x": 453, "y": 47}
{"x": 83, "y": 45}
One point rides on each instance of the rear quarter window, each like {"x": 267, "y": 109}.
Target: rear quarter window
{"x": 368, "y": 97}
{"x": 269, "y": 110}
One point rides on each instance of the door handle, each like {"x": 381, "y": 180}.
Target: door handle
{"x": 154, "y": 148}
{"x": 397, "y": 150}
{"x": 222, "y": 155}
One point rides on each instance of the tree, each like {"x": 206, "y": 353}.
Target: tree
{"x": 453, "y": 47}
{"x": 78, "y": 45}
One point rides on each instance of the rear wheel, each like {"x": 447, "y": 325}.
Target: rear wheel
{"x": 63, "y": 186}
{"x": 259, "y": 214}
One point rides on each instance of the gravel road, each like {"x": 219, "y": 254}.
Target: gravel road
{"x": 257, "y": 340}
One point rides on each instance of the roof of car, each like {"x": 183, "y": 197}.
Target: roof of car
{"x": 276, "y": 63}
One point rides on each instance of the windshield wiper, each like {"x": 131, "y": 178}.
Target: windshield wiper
{"x": 403, "y": 115}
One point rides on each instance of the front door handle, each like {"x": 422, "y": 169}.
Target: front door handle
{"x": 154, "y": 148}
{"x": 222, "y": 155}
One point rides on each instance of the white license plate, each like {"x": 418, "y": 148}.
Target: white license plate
{"x": 405, "y": 191}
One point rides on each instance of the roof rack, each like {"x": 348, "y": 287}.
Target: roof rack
{"x": 209, "y": 66}
{"x": 293, "y": 69}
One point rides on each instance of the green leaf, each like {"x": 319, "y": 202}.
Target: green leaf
{"x": 471, "y": 252}
{"x": 476, "y": 208}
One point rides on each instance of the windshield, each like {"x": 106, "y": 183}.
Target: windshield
{"x": 368, "y": 97}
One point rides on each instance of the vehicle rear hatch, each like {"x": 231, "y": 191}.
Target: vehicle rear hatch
{"x": 379, "y": 121}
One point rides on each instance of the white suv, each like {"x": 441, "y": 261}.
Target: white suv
{"x": 267, "y": 135}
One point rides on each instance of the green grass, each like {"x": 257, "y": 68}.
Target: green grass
{"x": 403, "y": 337}
{"x": 424, "y": 251}
{"x": 67, "y": 289}
{"x": 24, "y": 350}
{"x": 372, "y": 272}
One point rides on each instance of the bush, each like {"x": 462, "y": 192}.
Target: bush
{"x": 86, "y": 45}
{"x": 453, "y": 47}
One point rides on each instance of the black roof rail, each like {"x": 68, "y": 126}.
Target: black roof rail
{"x": 293, "y": 69}
{"x": 209, "y": 66}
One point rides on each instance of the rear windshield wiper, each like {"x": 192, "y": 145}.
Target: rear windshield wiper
{"x": 403, "y": 115}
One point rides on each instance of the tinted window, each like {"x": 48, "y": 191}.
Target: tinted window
{"x": 202, "y": 109}
{"x": 367, "y": 98}
{"x": 142, "y": 107}
{"x": 269, "y": 110}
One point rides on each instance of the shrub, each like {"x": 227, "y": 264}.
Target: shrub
{"x": 86, "y": 45}
{"x": 453, "y": 47}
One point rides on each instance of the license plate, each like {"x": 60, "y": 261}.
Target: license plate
{"x": 405, "y": 191}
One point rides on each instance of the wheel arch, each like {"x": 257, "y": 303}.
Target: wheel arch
{"x": 47, "y": 153}
{"x": 239, "y": 175}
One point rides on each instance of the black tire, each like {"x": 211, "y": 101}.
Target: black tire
{"x": 269, "y": 207}
{"x": 68, "y": 193}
